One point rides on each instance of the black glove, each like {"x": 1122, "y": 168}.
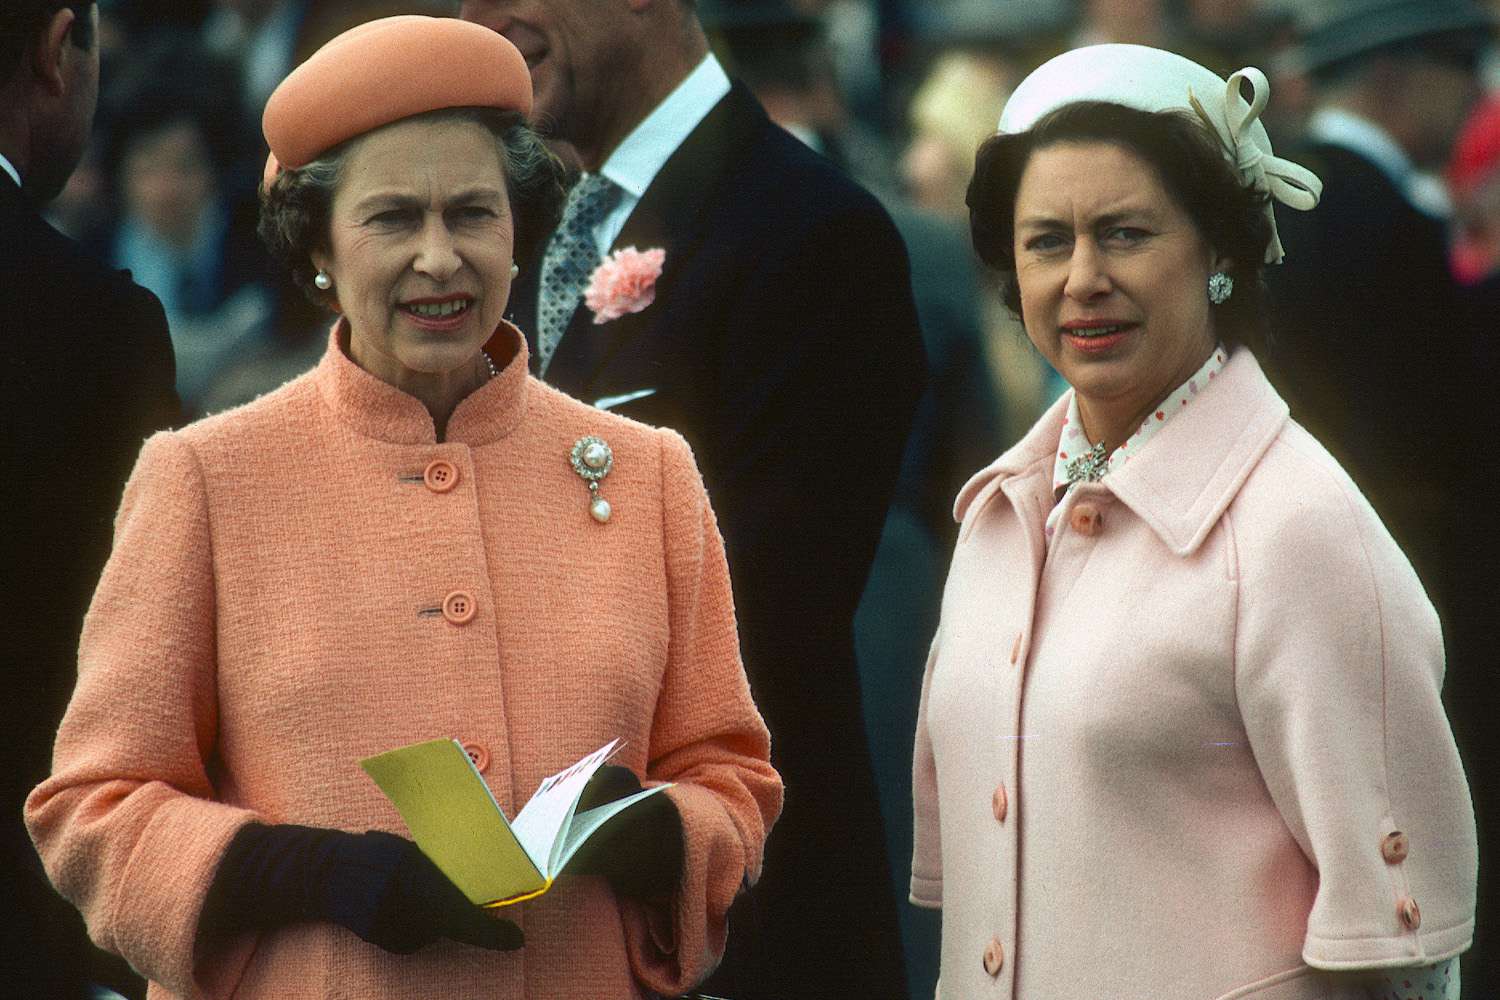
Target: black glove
{"x": 640, "y": 850}
{"x": 378, "y": 885}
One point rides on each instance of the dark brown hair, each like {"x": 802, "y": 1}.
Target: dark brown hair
{"x": 295, "y": 207}
{"x": 1189, "y": 162}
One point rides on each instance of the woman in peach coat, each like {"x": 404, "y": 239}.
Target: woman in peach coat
{"x": 414, "y": 540}
{"x": 1180, "y": 733}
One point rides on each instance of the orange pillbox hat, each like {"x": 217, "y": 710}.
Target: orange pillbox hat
{"x": 386, "y": 70}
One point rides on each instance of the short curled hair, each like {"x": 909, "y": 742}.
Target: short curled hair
{"x": 295, "y": 207}
{"x": 1190, "y": 163}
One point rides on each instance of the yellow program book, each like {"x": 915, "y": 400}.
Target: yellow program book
{"x": 456, "y": 821}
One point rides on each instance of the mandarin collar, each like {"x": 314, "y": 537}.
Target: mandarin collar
{"x": 381, "y": 411}
{"x": 1182, "y": 484}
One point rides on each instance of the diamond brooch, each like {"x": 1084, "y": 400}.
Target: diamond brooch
{"x": 1089, "y": 467}
{"x": 592, "y": 459}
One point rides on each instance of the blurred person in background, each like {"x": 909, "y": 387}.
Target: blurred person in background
{"x": 1136, "y": 22}
{"x": 781, "y": 54}
{"x": 85, "y": 376}
{"x": 781, "y": 340}
{"x": 1225, "y": 35}
{"x": 953, "y": 110}
{"x": 266, "y": 38}
{"x": 1399, "y": 401}
{"x": 1474, "y": 181}
{"x": 185, "y": 227}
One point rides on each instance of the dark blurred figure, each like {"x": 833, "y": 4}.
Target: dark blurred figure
{"x": 1228, "y": 35}
{"x": 267, "y": 38}
{"x": 86, "y": 374}
{"x": 176, "y": 161}
{"x": 782, "y": 55}
{"x": 1375, "y": 345}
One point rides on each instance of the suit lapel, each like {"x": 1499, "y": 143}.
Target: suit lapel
{"x": 671, "y": 215}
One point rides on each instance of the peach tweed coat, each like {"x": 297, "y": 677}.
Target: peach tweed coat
{"x": 1164, "y": 754}
{"x": 273, "y": 612}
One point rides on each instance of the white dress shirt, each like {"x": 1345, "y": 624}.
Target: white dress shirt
{"x": 639, "y": 158}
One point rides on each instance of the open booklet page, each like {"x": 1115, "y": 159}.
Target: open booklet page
{"x": 457, "y": 823}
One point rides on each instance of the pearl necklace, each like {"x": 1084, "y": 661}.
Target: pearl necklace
{"x": 490, "y": 363}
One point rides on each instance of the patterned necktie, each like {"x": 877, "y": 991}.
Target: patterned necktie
{"x": 571, "y": 256}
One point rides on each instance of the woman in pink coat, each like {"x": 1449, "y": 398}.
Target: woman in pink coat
{"x": 415, "y": 540}
{"x": 1180, "y": 733}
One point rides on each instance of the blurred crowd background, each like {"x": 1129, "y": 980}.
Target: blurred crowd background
{"x": 897, "y": 92}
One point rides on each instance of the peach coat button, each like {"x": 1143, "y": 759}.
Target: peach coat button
{"x": 459, "y": 607}
{"x": 440, "y": 476}
{"x": 1085, "y": 519}
{"x": 1394, "y": 848}
{"x": 1409, "y": 912}
{"x": 1000, "y": 803}
{"x": 994, "y": 957}
{"x": 478, "y": 754}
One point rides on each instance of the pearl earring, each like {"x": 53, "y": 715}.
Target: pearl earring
{"x": 1220, "y": 287}
{"x": 323, "y": 280}
{"x": 515, "y": 269}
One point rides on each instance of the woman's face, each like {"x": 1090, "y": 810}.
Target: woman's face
{"x": 419, "y": 247}
{"x": 1113, "y": 276}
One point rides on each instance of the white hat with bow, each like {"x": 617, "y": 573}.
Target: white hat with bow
{"x": 1150, "y": 79}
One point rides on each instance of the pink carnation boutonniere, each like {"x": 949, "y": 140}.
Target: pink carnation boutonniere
{"x": 625, "y": 282}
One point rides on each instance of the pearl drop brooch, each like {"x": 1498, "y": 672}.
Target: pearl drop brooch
{"x": 593, "y": 459}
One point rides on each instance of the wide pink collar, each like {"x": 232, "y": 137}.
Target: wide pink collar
{"x": 1181, "y": 484}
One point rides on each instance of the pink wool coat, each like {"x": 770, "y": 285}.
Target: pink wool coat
{"x": 1167, "y": 754}
{"x": 274, "y": 611}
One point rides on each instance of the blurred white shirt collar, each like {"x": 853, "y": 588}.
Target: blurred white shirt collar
{"x": 639, "y": 158}
{"x": 1339, "y": 127}
{"x": 10, "y": 168}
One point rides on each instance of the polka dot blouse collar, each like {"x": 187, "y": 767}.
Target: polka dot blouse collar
{"x": 1074, "y": 445}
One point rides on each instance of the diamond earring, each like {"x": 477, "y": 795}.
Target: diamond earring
{"x": 515, "y": 269}
{"x": 1220, "y": 287}
{"x": 323, "y": 280}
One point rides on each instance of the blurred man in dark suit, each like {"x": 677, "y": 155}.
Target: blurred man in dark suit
{"x": 782, "y": 341}
{"x": 85, "y": 375}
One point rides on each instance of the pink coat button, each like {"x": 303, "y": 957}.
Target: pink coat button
{"x": 1394, "y": 848}
{"x": 1085, "y": 519}
{"x": 1000, "y": 803}
{"x": 459, "y": 607}
{"x": 478, "y": 754}
{"x": 440, "y": 476}
{"x": 994, "y": 957}
{"x": 1409, "y": 912}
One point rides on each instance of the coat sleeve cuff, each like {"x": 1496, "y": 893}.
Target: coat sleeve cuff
{"x": 927, "y": 892}
{"x": 1425, "y": 947}
{"x": 159, "y": 900}
{"x": 675, "y": 945}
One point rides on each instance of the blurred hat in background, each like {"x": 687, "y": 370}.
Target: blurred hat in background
{"x": 1335, "y": 31}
